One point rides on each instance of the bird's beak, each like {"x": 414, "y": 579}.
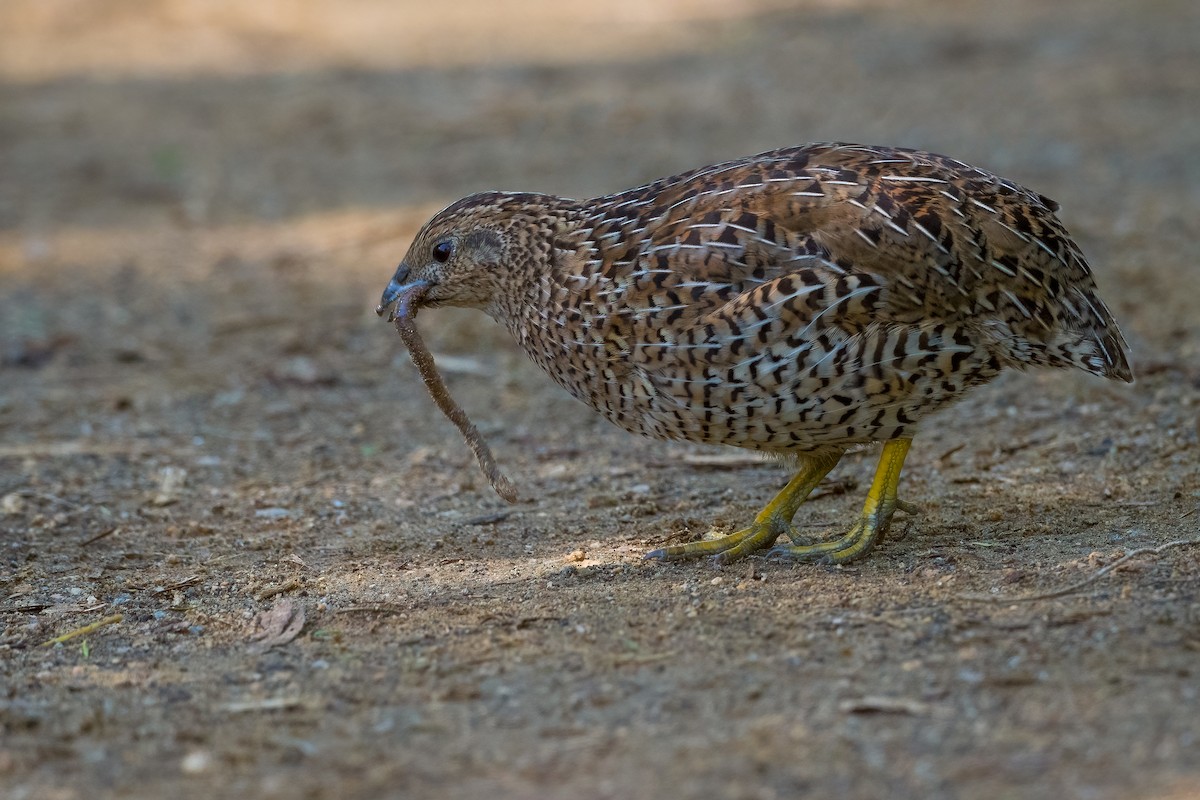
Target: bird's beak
{"x": 396, "y": 288}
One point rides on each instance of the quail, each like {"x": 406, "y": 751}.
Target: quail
{"x": 800, "y": 302}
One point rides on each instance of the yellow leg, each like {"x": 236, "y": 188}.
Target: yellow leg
{"x": 876, "y": 514}
{"x": 772, "y": 521}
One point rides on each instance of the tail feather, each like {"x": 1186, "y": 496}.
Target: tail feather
{"x": 1094, "y": 343}
{"x": 1086, "y": 337}
{"x": 1115, "y": 354}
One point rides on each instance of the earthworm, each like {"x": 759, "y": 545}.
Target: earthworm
{"x": 405, "y": 321}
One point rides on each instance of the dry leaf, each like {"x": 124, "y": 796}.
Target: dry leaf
{"x": 278, "y": 626}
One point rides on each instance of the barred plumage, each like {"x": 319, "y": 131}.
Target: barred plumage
{"x": 799, "y": 302}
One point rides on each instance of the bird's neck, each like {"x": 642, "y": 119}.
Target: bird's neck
{"x": 548, "y": 242}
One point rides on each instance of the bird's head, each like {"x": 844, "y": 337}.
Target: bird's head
{"x": 472, "y": 251}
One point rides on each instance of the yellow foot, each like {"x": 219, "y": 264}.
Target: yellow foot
{"x": 772, "y": 521}
{"x": 854, "y": 543}
{"x": 876, "y": 515}
{"x": 775, "y": 520}
{"x": 728, "y": 548}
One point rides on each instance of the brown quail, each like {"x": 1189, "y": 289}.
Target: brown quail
{"x": 799, "y": 302}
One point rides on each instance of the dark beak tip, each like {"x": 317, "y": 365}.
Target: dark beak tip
{"x": 403, "y": 298}
{"x": 390, "y": 295}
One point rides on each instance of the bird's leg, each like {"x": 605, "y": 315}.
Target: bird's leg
{"x": 876, "y": 514}
{"x": 770, "y": 523}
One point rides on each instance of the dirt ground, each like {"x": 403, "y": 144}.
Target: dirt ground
{"x": 202, "y": 421}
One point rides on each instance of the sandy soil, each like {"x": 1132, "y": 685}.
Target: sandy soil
{"x": 205, "y": 430}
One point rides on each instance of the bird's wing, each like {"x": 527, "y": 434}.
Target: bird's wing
{"x": 856, "y": 236}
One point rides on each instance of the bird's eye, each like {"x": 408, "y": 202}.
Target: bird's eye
{"x": 442, "y": 251}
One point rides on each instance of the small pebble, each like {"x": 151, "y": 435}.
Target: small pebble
{"x": 196, "y": 762}
{"x": 12, "y": 503}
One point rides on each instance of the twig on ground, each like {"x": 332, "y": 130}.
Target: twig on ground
{"x": 876, "y": 704}
{"x": 265, "y": 704}
{"x": 1077, "y": 585}
{"x": 86, "y": 629}
{"x": 102, "y": 534}
{"x": 375, "y": 609}
{"x": 278, "y": 588}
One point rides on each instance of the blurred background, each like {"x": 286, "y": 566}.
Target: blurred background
{"x": 155, "y": 154}
{"x": 201, "y": 200}
{"x": 213, "y": 192}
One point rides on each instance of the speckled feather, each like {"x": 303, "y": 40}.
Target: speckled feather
{"x": 797, "y": 301}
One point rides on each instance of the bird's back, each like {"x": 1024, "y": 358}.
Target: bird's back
{"x": 812, "y": 297}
